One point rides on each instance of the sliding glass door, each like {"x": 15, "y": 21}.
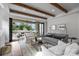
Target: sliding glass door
{"x": 41, "y": 28}
{"x": 36, "y": 27}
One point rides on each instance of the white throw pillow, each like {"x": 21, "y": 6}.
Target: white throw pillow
{"x": 59, "y": 49}
{"x": 60, "y": 43}
{"x": 46, "y": 52}
{"x": 72, "y": 49}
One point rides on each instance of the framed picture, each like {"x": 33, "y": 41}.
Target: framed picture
{"x": 61, "y": 27}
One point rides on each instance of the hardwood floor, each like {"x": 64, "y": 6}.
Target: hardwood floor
{"x": 20, "y": 48}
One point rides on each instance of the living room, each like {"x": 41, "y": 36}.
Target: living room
{"x": 43, "y": 25}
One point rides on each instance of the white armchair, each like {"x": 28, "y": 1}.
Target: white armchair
{"x": 30, "y": 37}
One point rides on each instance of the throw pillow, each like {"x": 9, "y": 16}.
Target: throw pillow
{"x": 59, "y": 49}
{"x": 72, "y": 49}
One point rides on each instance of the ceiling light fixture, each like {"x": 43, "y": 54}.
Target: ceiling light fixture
{"x": 53, "y": 10}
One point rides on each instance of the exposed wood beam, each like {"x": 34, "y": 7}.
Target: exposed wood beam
{"x": 32, "y": 8}
{"x": 26, "y": 21}
{"x": 27, "y": 14}
{"x": 59, "y": 7}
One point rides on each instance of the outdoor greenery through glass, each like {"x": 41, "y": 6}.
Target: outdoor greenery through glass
{"x": 21, "y": 27}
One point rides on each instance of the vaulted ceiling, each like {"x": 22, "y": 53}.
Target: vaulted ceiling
{"x": 40, "y": 10}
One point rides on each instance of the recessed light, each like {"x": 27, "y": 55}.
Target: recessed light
{"x": 53, "y": 10}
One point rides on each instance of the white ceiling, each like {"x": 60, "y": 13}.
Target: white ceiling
{"x": 27, "y": 18}
{"x": 45, "y": 7}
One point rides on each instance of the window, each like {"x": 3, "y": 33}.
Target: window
{"x": 30, "y": 26}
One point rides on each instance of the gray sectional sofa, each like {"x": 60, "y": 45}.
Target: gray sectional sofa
{"x": 52, "y": 38}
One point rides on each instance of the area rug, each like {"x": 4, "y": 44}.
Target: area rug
{"x": 6, "y": 50}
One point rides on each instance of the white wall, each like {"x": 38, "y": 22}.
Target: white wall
{"x": 4, "y": 24}
{"x": 78, "y": 26}
{"x": 71, "y": 21}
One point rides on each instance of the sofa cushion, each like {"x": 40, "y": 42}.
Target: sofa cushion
{"x": 59, "y": 49}
{"x": 50, "y": 40}
{"x": 72, "y": 49}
